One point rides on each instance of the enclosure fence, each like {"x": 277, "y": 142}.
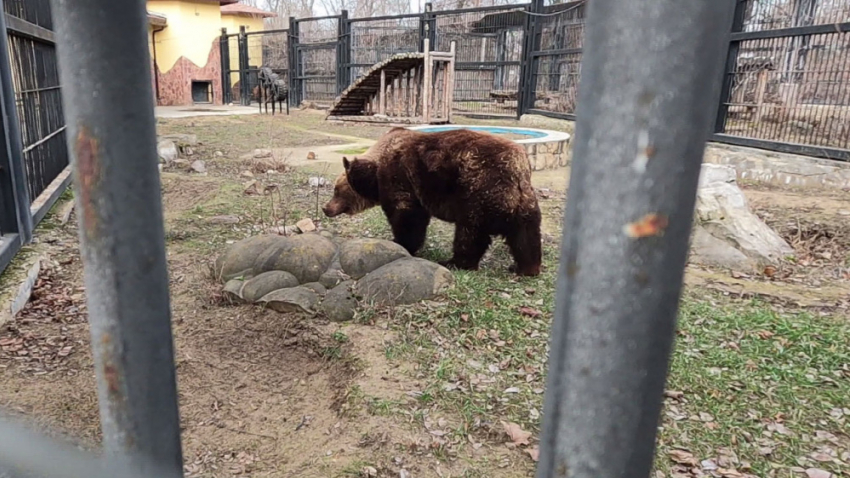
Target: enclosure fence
{"x": 786, "y": 81}
{"x": 34, "y": 160}
{"x": 618, "y": 291}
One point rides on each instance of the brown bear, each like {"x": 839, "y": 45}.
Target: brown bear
{"x": 477, "y": 181}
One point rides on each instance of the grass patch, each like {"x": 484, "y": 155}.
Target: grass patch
{"x": 353, "y": 151}
{"x": 756, "y": 390}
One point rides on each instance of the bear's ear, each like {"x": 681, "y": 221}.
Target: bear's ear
{"x": 346, "y": 163}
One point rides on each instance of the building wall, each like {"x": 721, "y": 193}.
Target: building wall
{"x": 187, "y": 49}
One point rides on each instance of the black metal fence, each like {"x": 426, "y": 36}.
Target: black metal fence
{"x": 787, "y": 78}
{"x": 34, "y": 163}
{"x": 786, "y": 84}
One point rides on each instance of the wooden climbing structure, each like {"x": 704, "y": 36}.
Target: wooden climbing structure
{"x": 408, "y": 88}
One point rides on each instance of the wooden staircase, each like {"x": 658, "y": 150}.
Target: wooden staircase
{"x": 408, "y": 88}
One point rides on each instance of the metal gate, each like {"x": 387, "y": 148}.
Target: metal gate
{"x": 489, "y": 52}
{"x": 316, "y": 48}
{"x": 242, "y": 56}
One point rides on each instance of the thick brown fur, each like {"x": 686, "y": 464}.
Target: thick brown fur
{"x": 477, "y": 181}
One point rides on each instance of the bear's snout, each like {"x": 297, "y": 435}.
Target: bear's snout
{"x": 330, "y": 209}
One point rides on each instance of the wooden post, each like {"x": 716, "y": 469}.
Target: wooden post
{"x": 417, "y": 90}
{"x": 450, "y": 84}
{"x": 761, "y": 88}
{"x": 426, "y": 85}
{"x": 382, "y": 108}
{"x": 407, "y": 94}
{"x": 396, "y": 103}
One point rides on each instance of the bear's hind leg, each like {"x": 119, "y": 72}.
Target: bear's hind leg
{"x": 470, "y": 244}
{"x": 525, "y": 243}
{"x": 410, "y": 226}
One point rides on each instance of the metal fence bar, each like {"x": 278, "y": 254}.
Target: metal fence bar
{"x": 28, "y": 454}
{"x": 640, "y": 139}
{"x": 13, "y": 142}
{"x": 105, "y": 66}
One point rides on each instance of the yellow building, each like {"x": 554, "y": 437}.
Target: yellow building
{"x": 185, "y": 49}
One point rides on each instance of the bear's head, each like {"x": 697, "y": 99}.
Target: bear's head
{"x": 355, "y": 190}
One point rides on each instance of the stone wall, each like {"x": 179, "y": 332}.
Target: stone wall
{"x": 550, "y": 155}
{"x": 175, "y": 85}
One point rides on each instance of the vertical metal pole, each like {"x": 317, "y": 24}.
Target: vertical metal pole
{"x": 224, "y": 47}
{"x": 342, "y": 47}
{"x": 528, "y": 68}
{"x": 244, "y": 68}
{"x": 17, "y": 197}
{"x": 651, "y": 71}
{"x": 104, "y": 64}
{"x": 294, "y": 64}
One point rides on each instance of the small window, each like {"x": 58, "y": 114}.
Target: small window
{"x": 202, "y": 91}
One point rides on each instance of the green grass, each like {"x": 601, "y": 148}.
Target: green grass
{"x": 741, "y": 367}
{"x": 352, "y": 151}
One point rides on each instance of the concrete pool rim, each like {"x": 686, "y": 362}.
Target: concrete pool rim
{"x": 548, "y": 135}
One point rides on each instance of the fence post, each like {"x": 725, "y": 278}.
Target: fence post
{"x": 640, "y": 140}
{"x": 343, "y": 50}
{"x": 244, "y": 77}
{"x": 13, "y": 178}
{"x": 528, "y": 70}
{"x": 427, "y": 27}
{"x": 729, "y": 68}
{"x": 224, "y": 47}
{"x": 294, "y": 64}
{"x": 105, "y": 70}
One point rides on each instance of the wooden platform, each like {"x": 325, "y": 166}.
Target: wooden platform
{"x": 408, "y": 88}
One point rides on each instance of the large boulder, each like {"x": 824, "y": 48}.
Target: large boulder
{"x": 295, "y": 299}
{"x": 723, "y": 212}
{"x": 233, "y": 289}
{"x": 711, "y": 251}
{"x": 238, "y": 260}
{"x": 359, "y": 257}
{"x": 257, "y": 287}
{"x": 340, "y": 304}
{"x": 404, "y": 281}
{"x": 167, "y": 151}
{"x": 306, "y": 257}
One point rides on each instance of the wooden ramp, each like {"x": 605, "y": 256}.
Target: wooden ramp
{"x": 408, "y": 88}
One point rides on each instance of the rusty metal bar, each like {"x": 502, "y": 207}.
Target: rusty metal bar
{"x": 651, "y": 79}
{"x": 105, "y": 67}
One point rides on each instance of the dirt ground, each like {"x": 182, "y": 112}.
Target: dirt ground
{"x": 269, "y": 395}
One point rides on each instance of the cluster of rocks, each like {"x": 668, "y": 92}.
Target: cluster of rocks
{"x": 727, "y": 234}
{"x": 174, "y": 150}
{"x": 312, "y": 275}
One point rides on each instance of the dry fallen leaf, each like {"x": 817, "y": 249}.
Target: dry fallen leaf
{"x": 674, "y": 394}
{"x": 531, "y": 312}
{"x": 683, "y": 457}
{"x": 516, "y": 433}
{"x": 817, "y": 473}
{"x": 729, "y": 473}
{"x": 534, "y": 453}
{"x": 765, "y": 334}
{"x": 823, "y": 457}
